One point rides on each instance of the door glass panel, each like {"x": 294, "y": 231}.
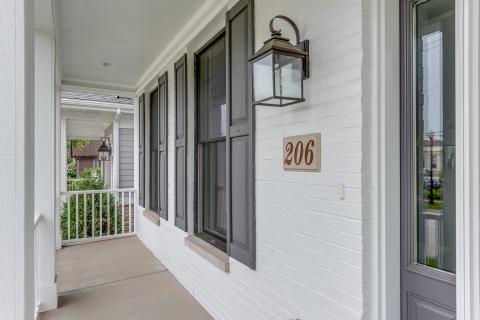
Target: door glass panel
{"x": 434, "y": 87}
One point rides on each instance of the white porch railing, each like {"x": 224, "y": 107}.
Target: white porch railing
{"x": 74, "y": 184}
{"x": 91, "y": 215}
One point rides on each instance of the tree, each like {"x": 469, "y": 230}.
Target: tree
{"x": 77, "y": 144}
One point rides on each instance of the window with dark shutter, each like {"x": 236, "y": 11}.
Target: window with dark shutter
{"x": 225, "y": 203}
{"x": 211, "y": 222}
{"x": 180, "y": 143}
{"x": 141, "y": 150}
{"x": 240, "y": 133}
{"x": 158, "y": 148}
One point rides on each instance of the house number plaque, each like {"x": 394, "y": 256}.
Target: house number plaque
{"x": 302, "y": 152}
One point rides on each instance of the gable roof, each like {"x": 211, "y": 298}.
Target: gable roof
{"x": 91, "y": 150}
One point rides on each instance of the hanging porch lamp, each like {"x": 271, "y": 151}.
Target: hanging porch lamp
{"x": 279, "y": 68}
{"x": 104, "y": 151}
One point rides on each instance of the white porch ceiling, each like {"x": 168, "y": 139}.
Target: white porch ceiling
{"x": 127, "y": 33}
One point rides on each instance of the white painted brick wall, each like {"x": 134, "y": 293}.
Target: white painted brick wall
{"x": 312, "y": 261}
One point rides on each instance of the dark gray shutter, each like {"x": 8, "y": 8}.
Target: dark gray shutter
{"x": 180, "y": 143}
{"x": 240, "y": 136}
{"x": 141, "y": 150}
{"x": 154, "y": 127}
{"x": 162, "y": 145}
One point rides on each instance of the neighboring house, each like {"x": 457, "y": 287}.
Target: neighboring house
{"x": 126, "y": 158}
{"x": 86, "y": 157}
{"x": 90, "y": 117}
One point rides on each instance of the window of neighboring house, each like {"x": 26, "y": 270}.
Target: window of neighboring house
{"x": 434, "y": 161}
{"x": 211, "y": 124}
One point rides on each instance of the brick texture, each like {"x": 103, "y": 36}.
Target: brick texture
{"x": 311, "y": 252}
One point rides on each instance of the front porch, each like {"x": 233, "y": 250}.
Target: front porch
{"x": 119, "y": 279}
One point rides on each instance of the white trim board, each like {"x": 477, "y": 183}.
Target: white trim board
{"x": 468, "y": 159}
{"x": 24, "y": 158}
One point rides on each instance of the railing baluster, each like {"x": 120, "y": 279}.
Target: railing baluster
{"x": 68, "y": 217}
{"x": 101, "y": 213}
{"x": 116, "y": 205}
{"x": 76, "y": 216}
{"x": 93, "y": 215}
{"x": 85, "y": 215}
{"x": 129, "y": 211}
{"x": 108, "y": 213}
{"x": 122, "y": 198}
{"x": 123, "y": 212}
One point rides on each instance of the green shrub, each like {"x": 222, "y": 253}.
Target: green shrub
{"x": 72, "y": 169}
{"x": 91, "y": 180}
{"x": 85, "y": 202}
{"x": 437, "y": 193}
{"x": 431, "y": 262}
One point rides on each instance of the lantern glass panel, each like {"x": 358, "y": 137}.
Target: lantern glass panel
{"x": 103, "y": 156}
{"x": 288, "y": 76}
{"x": 263, "y": 78}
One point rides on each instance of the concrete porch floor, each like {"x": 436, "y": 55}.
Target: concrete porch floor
{"x": 119, "y": 279}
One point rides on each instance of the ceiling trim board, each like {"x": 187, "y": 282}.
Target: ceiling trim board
{"x": 96, "y": 104}
{"x": 82, "y": 108}
{"x": 89, "y": 89}
{"x": 195, "y": 25}
{"x": 104, "y": 86}
{"x": 57, "y": 36}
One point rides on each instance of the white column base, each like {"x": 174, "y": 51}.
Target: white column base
{"x": 48, "y": 298}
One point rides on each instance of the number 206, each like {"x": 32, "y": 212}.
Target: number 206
{"x": 299, "y": 153}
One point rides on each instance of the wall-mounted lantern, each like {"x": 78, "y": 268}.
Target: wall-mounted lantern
{"x": 279, "y": 68}
{"x": 105, "y": 150}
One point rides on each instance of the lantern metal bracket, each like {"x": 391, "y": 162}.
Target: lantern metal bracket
{"x": 107, "y": 140}
{"x": 302, "y": 45}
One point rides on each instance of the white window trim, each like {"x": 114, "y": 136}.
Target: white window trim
{"x": 468, "y": 159}
{"x": 386, "y": 157}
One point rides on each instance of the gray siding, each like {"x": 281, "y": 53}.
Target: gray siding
{"x": 125, "y": 158}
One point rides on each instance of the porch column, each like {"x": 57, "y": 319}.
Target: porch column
{"x": 45, "y": 170}
{"x": 17, "y": 159}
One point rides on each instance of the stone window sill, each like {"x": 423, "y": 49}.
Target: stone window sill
{"x": 152, "y": 216}
{"x": 209, "y": 252}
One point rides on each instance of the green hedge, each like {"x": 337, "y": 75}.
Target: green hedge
{"x": 107, "y": 211}
{"x": 91, "y": 181}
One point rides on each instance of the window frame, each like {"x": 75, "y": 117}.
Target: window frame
{"x": 198, "y": 214}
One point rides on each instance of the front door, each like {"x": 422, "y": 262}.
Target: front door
{"x": 428, "y": 160}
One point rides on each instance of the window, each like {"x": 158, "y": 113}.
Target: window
{"x": 211, "y": 127}
{"x": 224, "y": 141}
{"x": 434, "y": 132}
{"x": 158, "y": 148}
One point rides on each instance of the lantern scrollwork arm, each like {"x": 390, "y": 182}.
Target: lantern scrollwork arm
{"x": 274, "y": 31}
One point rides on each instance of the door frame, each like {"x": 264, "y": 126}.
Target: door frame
{"x": 386, "y": 157}
{"x": 468, "y": 159}
{"x": 467, "y": 15}
{"x": 408, "y": 159}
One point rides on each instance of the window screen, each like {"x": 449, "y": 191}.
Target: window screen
{"x": 211, "y": 142}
